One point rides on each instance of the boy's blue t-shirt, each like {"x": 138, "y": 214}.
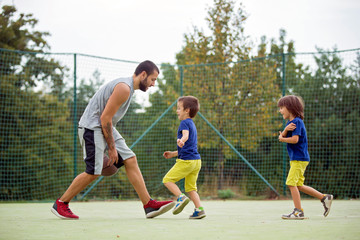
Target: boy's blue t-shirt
{"x": 189, "y": 150}
{"x": 298, "y": 151}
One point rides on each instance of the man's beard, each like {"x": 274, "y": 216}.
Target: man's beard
{"x": 142, "y": 86}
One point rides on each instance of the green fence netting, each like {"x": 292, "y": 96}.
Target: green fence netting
{"x": 44, "y": 94}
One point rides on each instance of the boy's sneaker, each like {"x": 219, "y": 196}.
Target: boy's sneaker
{"x": 198, "y": 214}
{"x": 181, "y": 202}
{"x": 62, "y": 210}
{"x": 154, "y": 208}
{"x": 326, "y": 201}
{"x": 297, "y": 214}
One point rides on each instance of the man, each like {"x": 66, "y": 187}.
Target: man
{"x": 97, "y": 133}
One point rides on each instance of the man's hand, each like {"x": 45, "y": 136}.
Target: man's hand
{"x": 113, "y": 157}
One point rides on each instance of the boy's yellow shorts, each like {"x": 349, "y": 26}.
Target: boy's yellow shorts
{"x": 188, "y": 169}
{"x": 296, "y": 173}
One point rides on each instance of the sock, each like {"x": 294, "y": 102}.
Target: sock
{"x": 200, "y": 209}
{"x": 63, "y": 202}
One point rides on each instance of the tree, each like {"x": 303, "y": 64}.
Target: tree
{"x": 34, "y": 131}
{"x": 228, "y": 89}
{"x": 17, "y": 34}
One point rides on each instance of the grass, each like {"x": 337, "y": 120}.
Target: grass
{"x": 225, "y": 220}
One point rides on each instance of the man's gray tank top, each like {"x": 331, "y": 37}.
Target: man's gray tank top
{"x": 91, "y": 116}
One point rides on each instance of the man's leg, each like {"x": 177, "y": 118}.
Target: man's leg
{"x": 79, "y": 183}
{"x": 61, "y": 205}
{"x": 152, "y": 208}
{"x": 136, "y": 179}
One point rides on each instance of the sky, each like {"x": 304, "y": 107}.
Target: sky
{"x": 136, "y": 30}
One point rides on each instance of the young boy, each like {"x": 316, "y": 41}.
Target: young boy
{"x": 294, "y": 134}
{"x": 188, "y": 163}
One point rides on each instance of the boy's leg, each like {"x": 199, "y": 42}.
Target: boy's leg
{"x": 191, "y": 189}
{"x": 173, "y": 188}
{"x": 194, "y": 196}
{"x": 298, "y": 213}
{"x": 190, "y": 183}
{"x": 294, "y": 179}
{"x": 181, "y": 201}
{"x": 181, "y": 169}
{"x": 295, "y": 194}
{"x": 199, "y": 212}
{"x": 175, "y": 174}
{"x": 326, "y": 199}
{"x": 311, "y": 191}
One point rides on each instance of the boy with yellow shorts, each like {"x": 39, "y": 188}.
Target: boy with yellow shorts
{"x": 188, "y": 162}
{"x": 294, "y": 134}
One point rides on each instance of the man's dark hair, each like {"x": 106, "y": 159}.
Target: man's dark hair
{"x": 148, "y": 66}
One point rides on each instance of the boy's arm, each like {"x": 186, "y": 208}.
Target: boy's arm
{"x": 292, "y": 140}
{"x": 288, "y": 128}
{"x": 184, "y": 138}
{"x": 170, "y": 154}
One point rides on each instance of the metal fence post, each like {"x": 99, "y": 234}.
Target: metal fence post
{"x": 284, "y": 145}
{"x": 75, "y": 120}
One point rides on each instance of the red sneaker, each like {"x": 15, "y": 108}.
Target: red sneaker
{"x": 62, "y": 210}
{"x": 154, "y": 208}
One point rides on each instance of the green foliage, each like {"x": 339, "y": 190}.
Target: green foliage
{"x": 18, "y": 34}
{"x": 226, "y": 194}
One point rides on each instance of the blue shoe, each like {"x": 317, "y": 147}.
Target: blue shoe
{"x": 198, "y": 214}
{"x": 181, "y": 202}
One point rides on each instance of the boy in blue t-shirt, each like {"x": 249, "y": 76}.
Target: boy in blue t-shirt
{"x": 294, "y": 134}
{"x": 188, "y": 162}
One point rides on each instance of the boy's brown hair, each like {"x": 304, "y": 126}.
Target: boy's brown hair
{"x": 294, "y": 104}
{"x": 190, "y": 102}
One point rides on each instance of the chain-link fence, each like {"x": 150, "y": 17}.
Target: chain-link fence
{"x": 43, "y": 96}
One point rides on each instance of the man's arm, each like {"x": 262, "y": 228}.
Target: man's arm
{"x": 118, "y": 97}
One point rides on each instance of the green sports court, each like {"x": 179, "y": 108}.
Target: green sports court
{"x": 225, "y": 220}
